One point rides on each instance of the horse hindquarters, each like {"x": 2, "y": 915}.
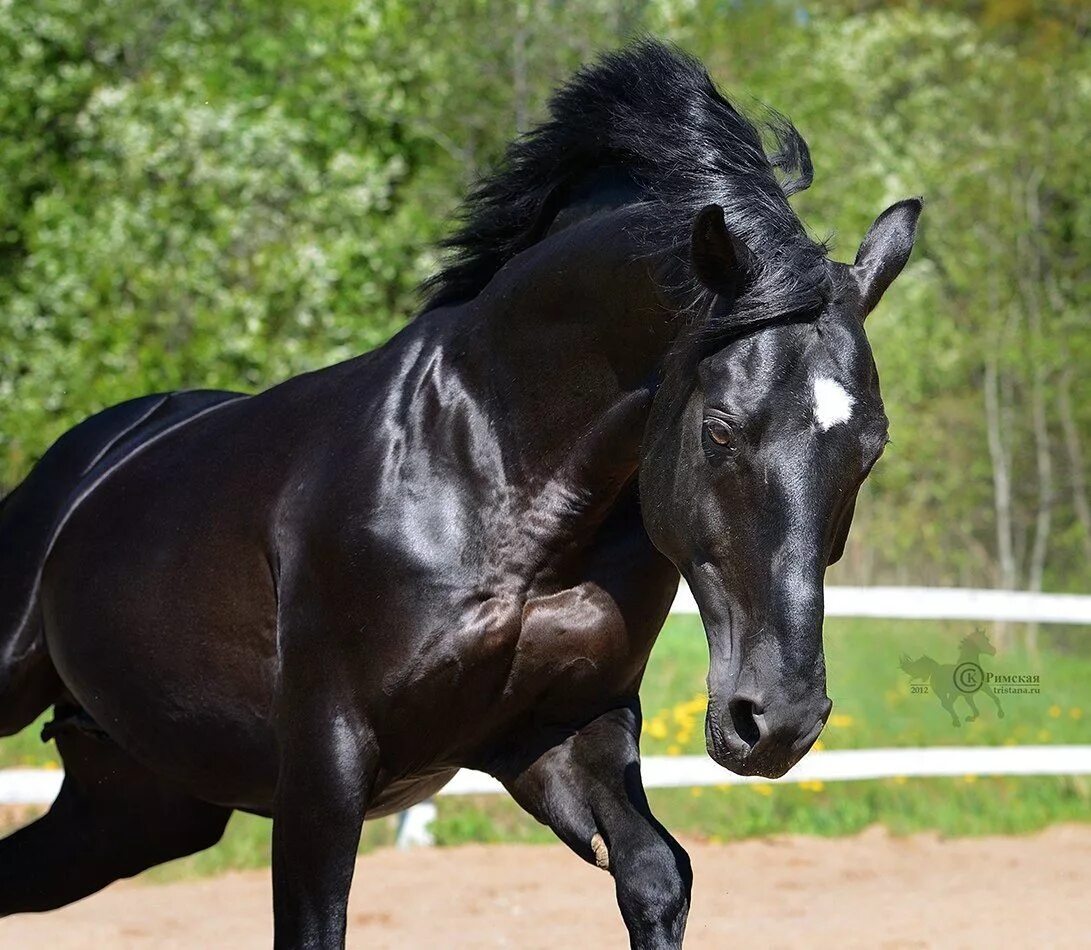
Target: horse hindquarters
{"x": 29, "y": 519}
{"x": 32, "y": 516}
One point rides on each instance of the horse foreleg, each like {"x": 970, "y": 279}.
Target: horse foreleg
{"x": 326, "y": 770}
{"x": 588, "y": 789}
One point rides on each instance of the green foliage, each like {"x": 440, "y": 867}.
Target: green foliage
{"x": 224, "y": 195}
{"x": 199, "y": 225}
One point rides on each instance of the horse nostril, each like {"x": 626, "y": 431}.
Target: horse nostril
{"x": 744, "y": 718}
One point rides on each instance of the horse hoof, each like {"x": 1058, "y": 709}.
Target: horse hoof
{"x": 602, "y": 855}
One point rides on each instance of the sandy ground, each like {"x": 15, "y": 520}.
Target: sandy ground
{"x": 868, "y": 891}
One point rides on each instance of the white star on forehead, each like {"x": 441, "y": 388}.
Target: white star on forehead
{"x": 832, "y": 404}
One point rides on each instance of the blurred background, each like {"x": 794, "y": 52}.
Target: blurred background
{"x": 209, "y": 194}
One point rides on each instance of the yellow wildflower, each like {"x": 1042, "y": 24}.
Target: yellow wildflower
{"x": 656, "y": 728}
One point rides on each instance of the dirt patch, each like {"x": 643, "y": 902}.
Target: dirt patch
{"x": 15, "y": 816}
{"x": 871, "y": 890}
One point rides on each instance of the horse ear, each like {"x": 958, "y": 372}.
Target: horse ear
{"x": 721, "y": 261}
{"x": 885, "y": 250}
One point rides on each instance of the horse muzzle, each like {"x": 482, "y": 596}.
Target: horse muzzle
{"x": 749, "y": 737}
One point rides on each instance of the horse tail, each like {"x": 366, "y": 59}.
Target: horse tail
{"x": 31, "y": 517}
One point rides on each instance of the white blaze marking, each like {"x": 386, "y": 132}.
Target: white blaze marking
{"x": 832, "y": 404}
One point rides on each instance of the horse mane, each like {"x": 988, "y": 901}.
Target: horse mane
{"x": 651, "y": 113}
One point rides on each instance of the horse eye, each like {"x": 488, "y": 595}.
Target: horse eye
{"x": 717, "y": 431}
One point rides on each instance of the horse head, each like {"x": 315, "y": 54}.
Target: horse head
{"x": 753, "y": 460}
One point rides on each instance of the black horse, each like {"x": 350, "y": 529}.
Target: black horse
{"x": 319, "y": 602}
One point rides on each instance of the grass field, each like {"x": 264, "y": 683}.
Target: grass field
{"x": 873, "y": 706}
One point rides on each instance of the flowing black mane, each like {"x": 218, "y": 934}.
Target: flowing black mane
{"x": 653, "y": 113}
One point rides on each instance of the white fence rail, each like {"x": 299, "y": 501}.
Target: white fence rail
{"x": 848, "y": 765}
{"x": 941, "y": 603}
{"x": 40, "y": 786}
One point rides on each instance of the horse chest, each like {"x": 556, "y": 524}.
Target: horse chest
{"x": 587, "y": 643}
{"x": 570, "y": 640}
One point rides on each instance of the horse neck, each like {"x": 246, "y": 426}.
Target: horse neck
{"x": 571, "y": 336}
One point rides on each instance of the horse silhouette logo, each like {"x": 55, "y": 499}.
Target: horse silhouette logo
{"x": 962, "y": 679}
